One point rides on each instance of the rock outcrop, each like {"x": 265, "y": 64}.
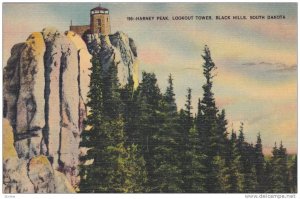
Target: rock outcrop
{"x": 44, "y": 105}
{"x": 34, "y": 176}
{"x": 116, "y": 49}
{"x": 45, "y": 91}
{"x": 9, "y": 150}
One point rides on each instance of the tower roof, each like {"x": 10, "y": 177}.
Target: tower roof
{"x": 99, "y": 8}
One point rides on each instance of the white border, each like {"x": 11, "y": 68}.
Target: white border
{"x": 136, "y": 196}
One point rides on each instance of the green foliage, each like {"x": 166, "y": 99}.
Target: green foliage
{"x": 90, "y": 135}
{"x": 137, "y": 175}
{"x": 259, "y": 163}
{"x": 221, "y": 135}
{"x": 251, "y": 181}
{"x": 236, "y": 178}
{"x": 148, "y": 100}
{"x": 208, "y": 102}
{"x": 268, "y": 178}
{"x": 166, "y": 164}
{"x": 149, "y": 97}
{"x": 192, "y": 158}
{"x": 158, "y": 126}
{"x": 169, "y": 97}
{"x": 131, "y": 114}
{"x": 114, "y": 165}
{"x": 221, "y": 171}
{"x": 279, "y": 174}
{"x": 211, "y": 127}
{"x": 111, "y": 92}
{"x": 108, "y": 166}
{"x": 194, "y": 178}
{"x": 137, "y": 141}
{"x": 293, "y": 175}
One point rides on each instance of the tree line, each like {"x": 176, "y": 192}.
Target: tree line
{"x": 138, "y": 141}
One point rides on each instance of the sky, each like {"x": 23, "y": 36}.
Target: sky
{"x": 256, "y": 76}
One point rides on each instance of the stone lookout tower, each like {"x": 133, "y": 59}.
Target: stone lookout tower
{"x": 99, "y": 23}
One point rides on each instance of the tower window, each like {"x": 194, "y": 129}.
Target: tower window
{"x": 99, "y": 22}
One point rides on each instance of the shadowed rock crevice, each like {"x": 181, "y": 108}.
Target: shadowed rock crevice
{"x": 47, "y": 62}
{"x": 80, "y": 123}
{"x": 11, "y": 88}
{"x": 61, "y": 70}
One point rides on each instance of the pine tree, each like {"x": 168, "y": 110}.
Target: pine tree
{"x": 242, "y": 148}
{"x": 167, "y": 172}
{"x": 186, "y": 124}
{"x": 208, "y": 107}
{"x": 169, "y": 97}
{"x": 221, "y": 171}
{"x": 276, "y": 183}
{"x": 137, "y": 175}
{"x": 194, "y": 177}
{"x": 110, "y": 161}
{"x": 241, "y": 138}
{"x": 199, "y": 122}
{"x": 279, "y": 175}
{"x": 259, "y": 162}
{"x": 111, "y": 92}
{"x": 149, "y": 120}
{"x": 236, "y": 178}
{"x": 111, "y": 165}
{"x": 283, "y": 157}
{"x": 90, "y": 135}
{"x": 166, "y": 176}
{"x": 222, "y": 147}
{"x": 188, "y": 111}
{"x": 221, "y": 135}
{"x": 209, "y": 121}
{"x": 247, "y": 152}
{"x": 268, "y": 178}
{"x": 130, "y": 111}
{"x": 133, "y": 142}
{"x": 251, "y": 181}
{"x": 293, "y": 179}
{"x": 149, "y": 97}
{"x": 192, "y": 158}
{"x": 213, "y": 128}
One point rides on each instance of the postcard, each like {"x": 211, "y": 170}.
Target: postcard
{"x": 149, "y": 98}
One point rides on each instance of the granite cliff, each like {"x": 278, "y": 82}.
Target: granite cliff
{"x": 45, "y": 86}
{"x": 117, "y": 49}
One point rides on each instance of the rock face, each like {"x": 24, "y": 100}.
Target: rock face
{"x": 45, "y": 91}
{"x": 34, "y": 176}
{"x": 117, "y": 49}
{"x": 9, "y": 150}
{"x": 44, "y": 104}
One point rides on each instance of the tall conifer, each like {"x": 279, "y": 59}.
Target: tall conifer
{"x": 108, "y": 165}
{"x": 259, "y": 163}
{"x": 166, "y": 169}
{"x": 279, "y": 174}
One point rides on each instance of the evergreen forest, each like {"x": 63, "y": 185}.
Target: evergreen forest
{"x": 138, "y": 141}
